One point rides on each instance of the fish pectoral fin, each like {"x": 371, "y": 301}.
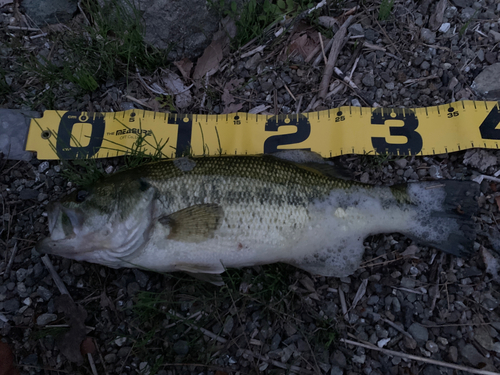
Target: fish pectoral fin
{"x": 209, "y": 274}
{"x": 194, "y": 224}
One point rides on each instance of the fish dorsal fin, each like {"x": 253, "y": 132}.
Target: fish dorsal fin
{"x": 330, "y": 169}
{"x": 201, "y": 272}
{"x": 313, "y": 161}
{"x": 194, "y": 224}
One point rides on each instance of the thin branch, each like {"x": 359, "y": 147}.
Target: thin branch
{"x": 338, "y": 42}
{"x": 420, "y": 359}
{"x": 57, "y": 279}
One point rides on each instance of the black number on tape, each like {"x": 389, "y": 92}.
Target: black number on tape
{"x": 64, "y": 136}
{"x": 413, "y": 144}
{"x": 303, "y": 131}
{"x": 185, "y": 123}
{"x": 488, "y": 128}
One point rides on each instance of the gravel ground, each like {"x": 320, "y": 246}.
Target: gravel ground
{"x": 275, "y": 319}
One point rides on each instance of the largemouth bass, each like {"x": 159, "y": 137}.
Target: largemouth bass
{"x": 203, "y": 215}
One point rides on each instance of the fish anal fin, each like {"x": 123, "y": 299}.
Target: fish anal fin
{"x": 201, "y": 272}
{"x": 208, "y": 277}
{"x": 194, "y": 224}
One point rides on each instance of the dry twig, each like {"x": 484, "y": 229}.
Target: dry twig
{"x": 57, "y": 279}
{"x": 338, "y": 42}
{"x": 420, "y": 359}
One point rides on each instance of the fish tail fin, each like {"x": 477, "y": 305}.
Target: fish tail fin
{"x": 445, "y": 211}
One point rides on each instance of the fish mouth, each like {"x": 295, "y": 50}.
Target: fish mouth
{"x": 63, "y": 224}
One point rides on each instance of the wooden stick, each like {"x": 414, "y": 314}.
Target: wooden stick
{"x": 420, "y": 359}
{"x": 322, "y": 49}
{"x": 317, "y": 60}
{"x": 57, "y": 279}
{"x": 338, "y": 42}
{"x": 343, "y": 304}
{"x": 92, "y": 364}
{"x": 11, "y": 261}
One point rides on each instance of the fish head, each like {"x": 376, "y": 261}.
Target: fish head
{"x": 101, "y": 225}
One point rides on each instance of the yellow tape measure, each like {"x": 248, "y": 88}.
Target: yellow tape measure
{"x": 345, "y": 130}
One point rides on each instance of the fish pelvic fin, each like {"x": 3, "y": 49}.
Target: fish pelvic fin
{"x": 194, "y": 224}
{"x": 445, "y": 211}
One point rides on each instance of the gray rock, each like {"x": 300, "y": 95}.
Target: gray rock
{"x": 110, "y": 358}
{"x": 77, "y": 269}
{"x": 428, "y": 36}
{"x": 467, "y": 14}
{"x": 44, "y": 165}
{"x": 11, "y": 305}
{"x": 495, "y": 35}
{"x": 371, "y": 35}
{"x": 44, "y": 293}
{"x": 186, "y": 26}
{"x": 368, "y": 80}
{"x": 181, "y": 347}
{"x": 484, "y": 339}
{"x": 401, "y": 163}
{"x": 365, "y": 177}
{"x": 480, "y": 159}
{"x": 14, "y": 125}
{"x": 408, "y": 282}
{"x": 27, "y": 194}
{"x": 228, "y": 325}
{"x": 487, "y": 83}
{"x": 419, "y": 333}
{"x": 275, "y": 342}
{"x": 435, "y": 172}
{"x": 453, "y": 354}
{"x": 140, "y": 277}
{"x": 471, "y": 355}
{"x": 44, "y": 12}
{"x": 356, "y": 29}
{"x": 409, "y": 342}
{"x": 45, "y": 319}
{"x": 21, "y": 274}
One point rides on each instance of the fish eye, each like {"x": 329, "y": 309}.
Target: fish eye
{"x": 81, "y": 195}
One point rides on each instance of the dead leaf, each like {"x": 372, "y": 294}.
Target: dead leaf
{"x": 437, "y": 16}
{"x": 259, "y": 109}
{"x": 209, "y": 62}
{"x": 185, "y": 66}
{"x": 227, "y": 98}
{"x": 105, "y": 300}
{"x": 70, "y": 341}
{"x": 176, "y": 87}
{"x": 229, "y": 26}
{"x": 327, "y": 21}
{"x": 410, "y": 251}
{"x": 7, "y": 360}
{"x": 492, "y": 264}
{"x": 360, "y": 293}
{"x": 303, "y": 44}
{"x": 232, "y": 108}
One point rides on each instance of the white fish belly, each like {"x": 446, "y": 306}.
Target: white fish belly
{"x": 329, "y": 231}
